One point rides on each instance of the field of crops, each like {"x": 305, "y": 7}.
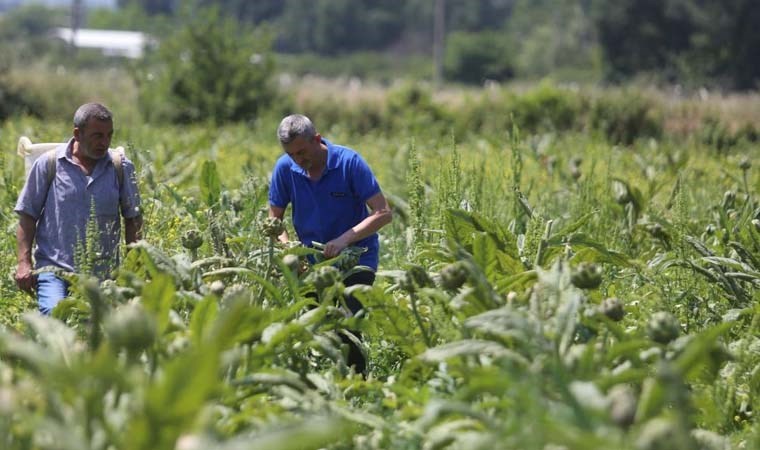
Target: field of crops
{"x": 536, "y": 291}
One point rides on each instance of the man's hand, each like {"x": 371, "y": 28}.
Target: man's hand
{"x": 25, "y": 279}
{"x": 334, "y": 247}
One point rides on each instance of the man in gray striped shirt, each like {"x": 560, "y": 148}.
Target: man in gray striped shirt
{"x": 54, "y": 209}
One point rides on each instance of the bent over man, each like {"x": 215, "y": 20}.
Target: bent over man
{"x": 335, "y": 200}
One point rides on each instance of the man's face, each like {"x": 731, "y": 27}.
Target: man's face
{"x": 303, "y": 152}
{"x": 94, "y": 138}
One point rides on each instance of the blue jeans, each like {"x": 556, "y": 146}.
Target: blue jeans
{"x": 50, "y": 291}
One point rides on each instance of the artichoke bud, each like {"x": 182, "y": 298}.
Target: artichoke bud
{"x": 350, "y": 257}
{"x": 292, "y": 262}
{"x": 613, "y": 308}
{"x": 132, "y": 328}
{"x": 663, "y": 327}
{"x": 622, "y": 195}
{"x": 657, "y": 231}
{"x": 217, "y": 288}
{"x": 745, "y": 164}
{"x": 272, "y": 227}
{"x": 728, "y": 200}
{"x": 622, "y": 405}
{"x": 454, "y": 275}
{"x": 415, "y": 277}
{"x": 324, "y": 277}
{"x": 234, "y": 291}
{"x": 586, "y": 276}
{"x": 192, "y": 239}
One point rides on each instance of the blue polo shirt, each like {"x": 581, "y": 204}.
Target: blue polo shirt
{"x": 326, "y": 208}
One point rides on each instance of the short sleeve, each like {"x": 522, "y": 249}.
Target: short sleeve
{"x": 279, "y": 193}
{"x": 33, "y": 195}
{"x": 129, "y": 192}
{"x": 363, "y": 181}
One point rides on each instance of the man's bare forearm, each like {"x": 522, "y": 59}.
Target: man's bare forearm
{"x": 133, "y": 229}
{"x": 25, "y": 232}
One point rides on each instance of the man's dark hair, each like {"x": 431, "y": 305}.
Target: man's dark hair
{"x": 89, "y": 111}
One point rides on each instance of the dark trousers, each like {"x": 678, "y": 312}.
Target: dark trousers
{"x": 355, "y": 355}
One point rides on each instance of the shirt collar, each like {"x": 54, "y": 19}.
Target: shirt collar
{"x": 66, "y": 150}
{"x": 333, "y": 160}
{"x": 332, "y": 155}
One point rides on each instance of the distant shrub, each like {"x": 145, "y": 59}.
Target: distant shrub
{"x": 39, "y": 91}
{"x": 476, "y": 57}
{"x": 411, "y": 106}
{"x": 717, "y": 135}
{"x": 548, "y": 108}
{"x": 623, "y": 117}
{"x": 210, "y": 70}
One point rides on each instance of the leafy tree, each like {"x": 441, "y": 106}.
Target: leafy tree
{"x": 475, "y": 57}
{"x": 725, "y": 43}
{"x": 249, "y": 11}
{"x": 642, "y": 35}
{"x": 339, "y": 26}
{"x": 212, "y": 69}
{"x": 682, "y": 39}
{"x": 28, "y": 29}
{"x": 152, "y": 7}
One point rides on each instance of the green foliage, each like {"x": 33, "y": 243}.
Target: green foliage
{"x": 338, "y": 26}
{"x": 210, "y": 70}
{"x": 601, "y": 329}
{"x": 686, "y": 40}
{"x": 548, "y": 108}
{"x": 476, "y": 57}
{"x": 625, "y": 116}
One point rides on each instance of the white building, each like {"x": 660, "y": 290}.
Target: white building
{"x": 128, "y": 44}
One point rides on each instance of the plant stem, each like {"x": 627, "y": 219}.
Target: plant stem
{"x": 425, "y": 337}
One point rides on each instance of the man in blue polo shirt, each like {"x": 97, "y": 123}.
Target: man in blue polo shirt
{"x": 335, "y": 200}
{"x": 55, "y": 208}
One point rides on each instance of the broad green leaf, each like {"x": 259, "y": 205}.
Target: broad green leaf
{"x": 239, "y": 322}
{"x": 274, "y": 292}
{"x": 31, "y": 355}
{"x": 629, "y": 376}
{"x": 593, "y": 252}
{"x": 157, "y": 298}
{"x": 315, "y": 433}
{"x": 211, "y": 185}
{"x": 460, "y": 226}
{"x": 484, "y": 254}
{"x": 505, "y": 323}
{"x": 174, "y": 401}
{"x": 629, "y": 349}
{"x": 471, "y": 347}
{"x": 651, "y": 400}
{"x": 201, "y": 321}
{"x": 59, "y": 339}
{"x": 697, "y": 351}
{"x": 274, "y": 377}
{"x": 518, "y": 282}
{"x": 571, "y": 228}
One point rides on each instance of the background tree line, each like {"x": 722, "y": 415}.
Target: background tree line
{"x": 687, "y": 41}
{"x": 219, "y": 60}
{"x": 691, "y": 42}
